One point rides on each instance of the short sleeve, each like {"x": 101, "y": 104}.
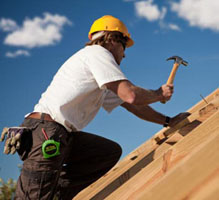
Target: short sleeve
{"x": 104, "y": 67}
{"x": 111, "y": 101}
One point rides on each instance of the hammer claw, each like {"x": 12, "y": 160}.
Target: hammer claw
{"x": 178, "y": 60}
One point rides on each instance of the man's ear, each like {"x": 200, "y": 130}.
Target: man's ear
{"x": 109, "y": 44}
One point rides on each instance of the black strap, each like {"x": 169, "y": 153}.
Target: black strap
{"x": 167, "y": 121}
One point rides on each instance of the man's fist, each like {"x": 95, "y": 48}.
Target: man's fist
{"x": 166, "y": 92}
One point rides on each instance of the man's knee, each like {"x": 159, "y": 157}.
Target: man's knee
{"x": 118, "y": 150}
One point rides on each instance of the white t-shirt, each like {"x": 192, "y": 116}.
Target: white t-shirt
{"x": 77, "y": 91}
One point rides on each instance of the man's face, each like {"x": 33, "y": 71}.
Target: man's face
{"x": 118, "y": 51}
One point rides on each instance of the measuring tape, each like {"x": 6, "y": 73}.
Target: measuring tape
{"x": 50, "y": 148}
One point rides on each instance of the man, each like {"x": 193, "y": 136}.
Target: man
{"x": 58, "y": 157}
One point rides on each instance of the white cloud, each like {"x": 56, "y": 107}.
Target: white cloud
{"x": 8, "y": 25}
{"x": 174, "y": 27}
{"x": 17, "y": 53}
{"x": 169, "y": 26}
{"x": 200, "y": 13}
{"x": 38, "y": 31}
{"x": 150, "y": 11}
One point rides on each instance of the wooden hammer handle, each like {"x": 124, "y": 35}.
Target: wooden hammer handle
{"x": 173, "y": 73}
{"x": 172, "y": 76}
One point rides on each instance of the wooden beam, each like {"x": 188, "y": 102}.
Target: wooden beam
{"x": 160, "y": 166}
{"x": 202, "y": 103}
{"x": 187, "y": 178}
{"x": 199, "y": 114}
{"x": 207, "y": 189}
{"x": 129, "y": 166}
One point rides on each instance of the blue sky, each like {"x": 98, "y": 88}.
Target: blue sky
{"x": 36, "y": 37}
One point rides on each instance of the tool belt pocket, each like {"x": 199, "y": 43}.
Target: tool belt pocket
{"x": 54, "y": 139}
{"x": 26, "y": 144}
{"x": 51, "y": 140}
{"x": 31, "y": 144}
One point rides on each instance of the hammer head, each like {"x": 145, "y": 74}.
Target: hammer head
{"x": 178, "y": 60}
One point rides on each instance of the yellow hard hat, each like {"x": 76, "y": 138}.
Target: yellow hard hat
{"x": 110, "y": 23}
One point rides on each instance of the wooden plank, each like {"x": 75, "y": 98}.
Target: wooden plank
{"x": 207, "y": 189}
{"x": 160, "y": 166}
{"x": 211, "y": 107}
{"x": 127, "y": 168}
{"x": 188, "y": 174}
{"x": 199, "y": 114}
{"x": 203, "y": 103}
{"x": 149, "y": 143}
{"x": 114, "y": 179}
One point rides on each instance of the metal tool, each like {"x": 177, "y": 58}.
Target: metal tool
{"x": 177, "y": 62}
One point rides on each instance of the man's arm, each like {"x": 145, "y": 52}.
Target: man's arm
{"x": 146, "y": 113}
{"x": 136, "y": 101}
{"x": 138, "y": 96}
{"x": 149, "y": 114}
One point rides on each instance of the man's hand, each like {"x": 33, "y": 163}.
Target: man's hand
{"x": 178, "y": 118}
{"x": 13, "y": 138}
{"x": 166, "y": 92}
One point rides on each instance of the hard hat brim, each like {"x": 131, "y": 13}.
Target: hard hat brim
{"x": 130, "y": 43}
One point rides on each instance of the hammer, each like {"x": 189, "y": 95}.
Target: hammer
{"x": 177, "y": 62}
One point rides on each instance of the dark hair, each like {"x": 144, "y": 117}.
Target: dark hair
{"x": 107, "y": 37}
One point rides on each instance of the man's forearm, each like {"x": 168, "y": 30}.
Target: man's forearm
{"x": 146, "y": 113}
{"x": 145, "y": 97}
